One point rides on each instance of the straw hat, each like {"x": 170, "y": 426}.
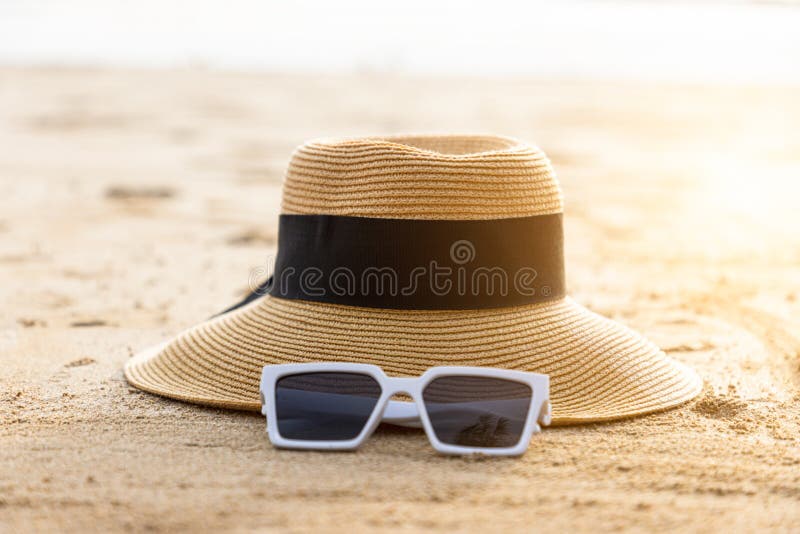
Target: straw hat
{"x": 599, "y": 369}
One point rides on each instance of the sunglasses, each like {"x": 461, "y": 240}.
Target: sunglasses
{"x": 464, "y": 410}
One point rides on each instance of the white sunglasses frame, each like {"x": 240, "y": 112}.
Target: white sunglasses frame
{"x": 399, "y": 412}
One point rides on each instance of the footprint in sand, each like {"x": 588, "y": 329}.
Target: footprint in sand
{"x": 75, "y": 120}
{"x": 88, "y": 323}
{"x": 119, "y": 192}
{"x": 80, "y": 362}
{"x": 252, "y": 237}
{"x": 719, "y": 406}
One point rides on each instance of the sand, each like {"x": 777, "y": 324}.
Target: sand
{"x": 135, "y": 204}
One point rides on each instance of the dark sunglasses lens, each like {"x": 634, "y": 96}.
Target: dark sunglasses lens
{"x": 324, "y": 406}
{"x": 475, "y": 411}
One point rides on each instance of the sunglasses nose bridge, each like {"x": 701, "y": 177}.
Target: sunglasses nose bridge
{"x": 401, "y": 385}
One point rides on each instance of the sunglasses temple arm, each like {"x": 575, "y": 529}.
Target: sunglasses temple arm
{"x": 263, "y": 403}
{"x": 545, "y": 414}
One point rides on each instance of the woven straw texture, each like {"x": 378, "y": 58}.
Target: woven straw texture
{"x": 599, "y": 370}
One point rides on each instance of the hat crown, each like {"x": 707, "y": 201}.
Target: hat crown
{"x": 421, "y": 177}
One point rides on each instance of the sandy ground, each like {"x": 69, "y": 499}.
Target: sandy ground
{"x": 134, "y": 204}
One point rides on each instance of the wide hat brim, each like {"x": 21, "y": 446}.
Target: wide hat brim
{"x": 599, "y": 369}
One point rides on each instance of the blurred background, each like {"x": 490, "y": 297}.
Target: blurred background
{"x": 750, "y": 42}
{"x": 190, "y": 110}
{"x": 719, "y": 42}
{"x": 663, "y": 119}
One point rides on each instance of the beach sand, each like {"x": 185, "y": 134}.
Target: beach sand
{"x": 134, "y": 204}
